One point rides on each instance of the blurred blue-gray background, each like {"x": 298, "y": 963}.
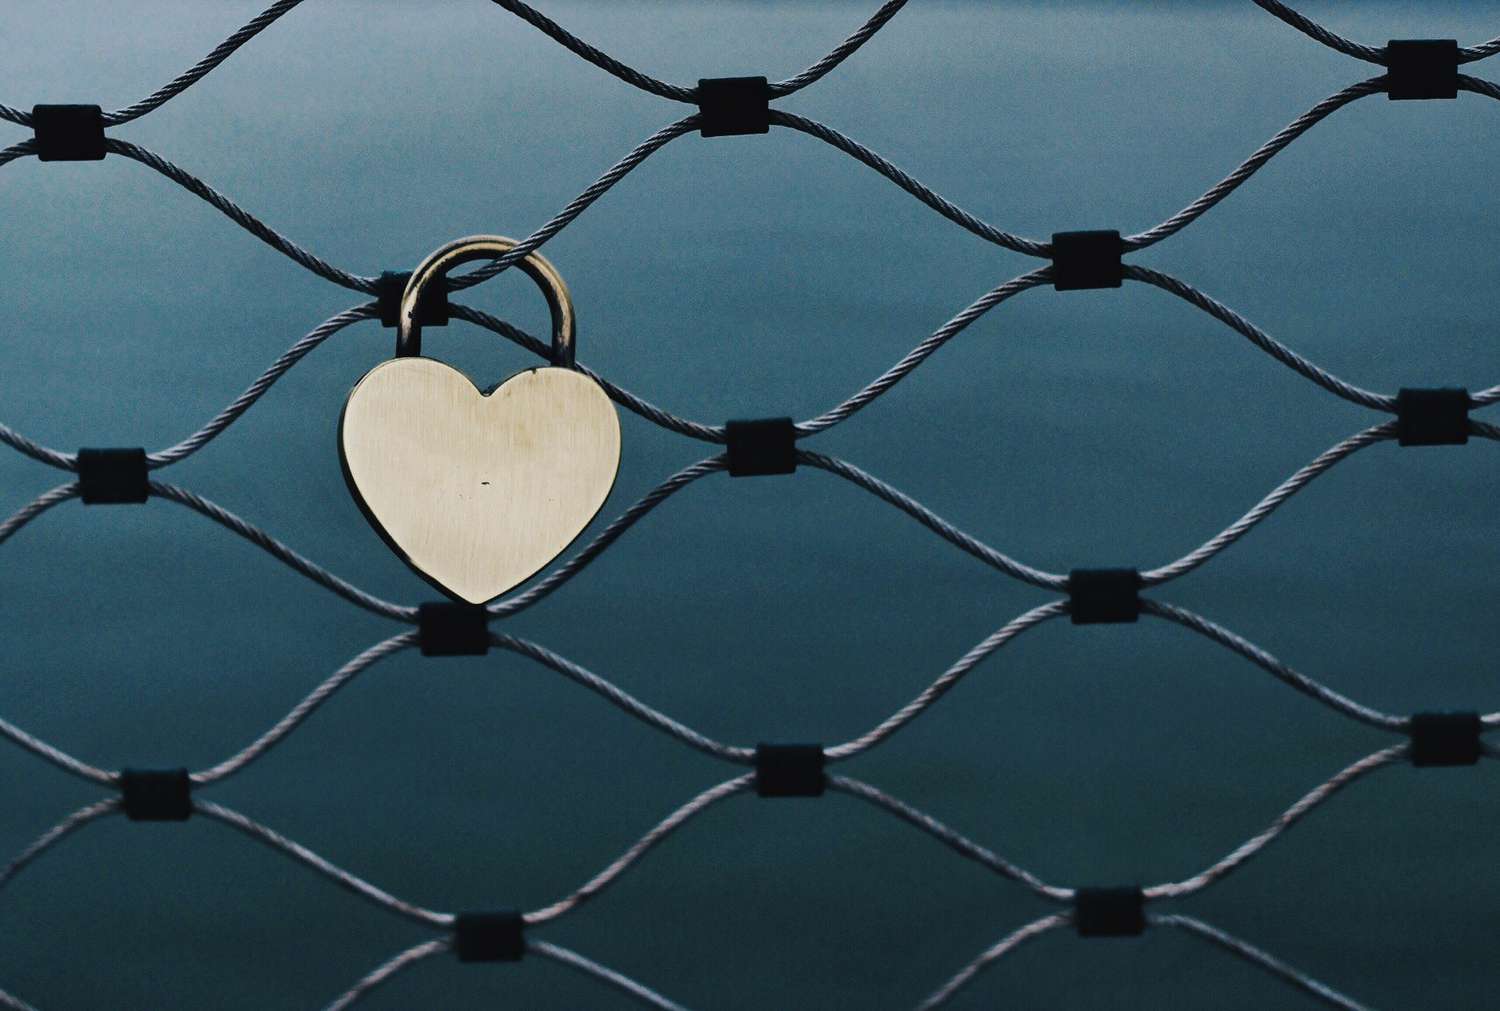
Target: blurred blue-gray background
{"x": 745, "y": 277}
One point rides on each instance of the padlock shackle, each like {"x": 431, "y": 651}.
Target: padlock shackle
{"x": 487, "y": 247}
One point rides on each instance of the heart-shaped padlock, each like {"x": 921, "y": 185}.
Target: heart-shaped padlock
{"x": 478, "y": 490}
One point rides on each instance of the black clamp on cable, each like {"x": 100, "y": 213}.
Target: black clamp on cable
{"x": 452, "y": 629}
{"x": 1445, "y": 738}
{"x": 432, "y": 305}
{"x": 489, "y": 937}
{"x": 789, "y": 770}
{"x": 1082, "y": 260}
{"x": 157, "y": 794}
{"x": 733, "y": 106}
{"x": 112, "y": 476}
{"x": 1109, "y": 912}
{"x": 68, "y": 132}
{"x": 762, "y": 446}
{"x": 1421, "y": 68}
{"x": 1433, "y": 417}
{"x": 1104, "y": 596}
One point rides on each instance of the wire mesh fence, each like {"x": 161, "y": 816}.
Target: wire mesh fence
{"x": 1411, "y": 417}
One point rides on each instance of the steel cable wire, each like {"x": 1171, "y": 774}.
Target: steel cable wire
{"x": 716, "y": 434}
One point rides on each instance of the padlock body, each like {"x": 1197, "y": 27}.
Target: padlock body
{"x": 478, "y": 491}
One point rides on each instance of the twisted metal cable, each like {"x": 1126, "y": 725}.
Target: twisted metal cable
{"x": 945, "y": 682}
{"x": 741, "y": 754}
{"x": 50, "y": 838}
{"x": 709, "y": 433}
{"x": 1259, "y": 657}
{"x": 226, "y": 417}
{"x": 1222, "y": 867}
{"x": 1358, "y": 50}
{"x": 1330, "y": 382}
{"x": 907, "y": 182}
{"x": 197, "y": 71}
{"x": 688, "y": 736}
{"x": 184, "y": 80}
{"x": 924, "y": 349}
{"x": 1138, "y": 241}
{"x": 623, "y": 699}
{"x": 230, "y": 521}
{"x": 1289, "y": 133}
{"x": 508, "y": 606}
{"x": 15, "y": 151}
{"x": 932, "y": 521}
{"x": 716, "y": 434}
{"x": 647, "y": 842}
{"x": 240, "y": 216}
{"x": 31, "y": 510}
{"x": 917, "y": 355}
{"x": 1234, "y": 945}
{"x": 366, "y": 659}
{"x": 927, "y": 823}
{"x": 885, "y": 381}
{"x": 283, "y": 553}
{"x": 1224, "y": 538}
{"x": 656, "y": 415}
{"x": 854, "y": 787}
{"x": 57, "y": 756}
{"x": 599, "y": 58}
{"x": 1150, "y": 577}
{"x": 14, "y": 1003}
{"x": 588, "y": 967}
{"x": 372, "y": 893}
{"x": 1251, "y": 165}
{"x": 839, "y": 53}
{"x": 855, "y": 475}
{"x": 344, "y": 879}
{"x": 1193, "y": 622}
{"x": 670, "y": 132}
{"x": 1478, "y": 86}
{"x": 959, "y": 538}
{"x": 1255, "y": 956}
{"x": 317, "y": 265}
{"x": 1310, "y": 28}
{"x": 253, "y": 829}
{"x": 707, "y": 798}
{"x": 960, "y": 844}
{"x": 302, "y": 710}
{"x": 385, "y": 970}
{"x": 678, "y": 93}
{"x": 263, "y": 382}
{"x": 578, "y": 204}
{"x": 827, "y": 134}
{"x": 1215, "y": 872}
{"x": 860, "y": 399}
{"x": 1007, "y": 944}
{"x": 542, "y": 949}
{"x": 28, "y": 447}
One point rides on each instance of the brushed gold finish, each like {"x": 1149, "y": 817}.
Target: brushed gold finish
{"x": 478, "y": 492}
